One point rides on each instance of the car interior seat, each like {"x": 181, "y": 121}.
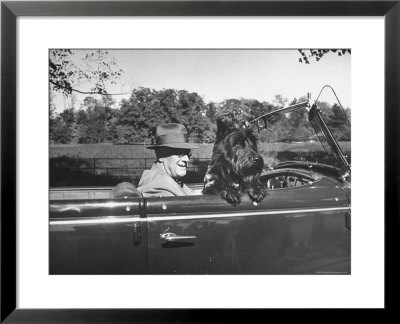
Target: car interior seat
{"x": 125, "y": 189}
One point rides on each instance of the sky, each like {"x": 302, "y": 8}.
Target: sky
{"x": 217, "y": 75}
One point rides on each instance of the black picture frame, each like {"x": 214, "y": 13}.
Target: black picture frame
{"x": 10, "y": 10}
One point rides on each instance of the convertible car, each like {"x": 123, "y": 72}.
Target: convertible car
{"x": 301, "y": 227}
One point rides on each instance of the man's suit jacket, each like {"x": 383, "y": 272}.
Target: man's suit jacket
{"x": 157, "y": 183}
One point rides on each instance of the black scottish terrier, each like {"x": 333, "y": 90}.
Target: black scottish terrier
{"x": 235, "y": 165}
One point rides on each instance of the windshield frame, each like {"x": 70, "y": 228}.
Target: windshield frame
{"x": 314, "y": 115}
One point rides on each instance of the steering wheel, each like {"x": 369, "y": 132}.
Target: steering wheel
{"x": 281, "y": 180}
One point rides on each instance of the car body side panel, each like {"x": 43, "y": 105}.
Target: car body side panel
{"x": 303, "y": 229}
{"x": 309, "y": 243}
{"x": 97, "y": 237}
{"x": 294, "y": 230}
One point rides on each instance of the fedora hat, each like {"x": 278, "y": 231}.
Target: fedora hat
{"x": 172, "y": 135}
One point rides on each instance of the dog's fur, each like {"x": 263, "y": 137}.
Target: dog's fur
{"x": 235, "y": 165}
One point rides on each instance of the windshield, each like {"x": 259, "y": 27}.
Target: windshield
{"x": 299, "y": 133}
{"x": 321, "y": 137}
{"x": 326, "y": 137}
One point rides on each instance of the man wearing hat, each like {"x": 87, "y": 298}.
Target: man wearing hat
{"x": 173, "y": 152}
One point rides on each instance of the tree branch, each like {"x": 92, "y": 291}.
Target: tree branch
{"x": 87, "y": 92}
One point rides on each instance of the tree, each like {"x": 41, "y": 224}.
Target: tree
{"x": 318, "y": 54}
{"x": 256, "y": 108}
{"x": 234, "y": 111}
{"x": 138, "y": 116}
{"x": 68, "y": 69}
{"x": 280, "y": 101}
{"x": 146, "y": 108}
{"x": 193, "y": 113}
{"x": 339, "y": 116}
{"x": 339, "y": 123}
{"x": 94, "y": 120}
{"x": 52, "y": 112}
{"x": 81, "y": 117}
{"x": 211, "y": 113}
{"x": 348, "y": 114}
{"x": 60, "y": 132}
{"x": 68, "y": 117}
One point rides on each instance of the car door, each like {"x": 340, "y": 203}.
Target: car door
{"x": 293, "y": 230}
{"x": 102, "y": 236}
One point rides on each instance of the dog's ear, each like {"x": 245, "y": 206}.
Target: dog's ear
{"x": 222, "y": 128}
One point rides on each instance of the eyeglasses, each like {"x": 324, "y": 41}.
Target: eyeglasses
{"x": 179, "y": 153}
{"x": 182, "y": 153}
{"x": 169, "y": 151}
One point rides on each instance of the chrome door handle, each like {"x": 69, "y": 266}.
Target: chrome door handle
{"x": 171, "y": 237}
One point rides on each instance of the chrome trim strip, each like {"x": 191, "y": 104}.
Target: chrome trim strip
{"x": 260, "y": 213}
{"x": 101, "y": 220}
{"x": 122, "y": 220}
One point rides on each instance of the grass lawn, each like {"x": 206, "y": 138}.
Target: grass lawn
{"x": 108, "y": 164}
{"x": 205, "y": 150}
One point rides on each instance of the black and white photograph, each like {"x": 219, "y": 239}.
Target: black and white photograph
{"x": 187, "y": 161}
{"x": 200, "y": 161}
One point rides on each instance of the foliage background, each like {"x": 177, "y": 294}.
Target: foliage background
{"x": 133, "y": 121}
{"x": 88, "y": 133}
{"x": 101, "y": 118}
